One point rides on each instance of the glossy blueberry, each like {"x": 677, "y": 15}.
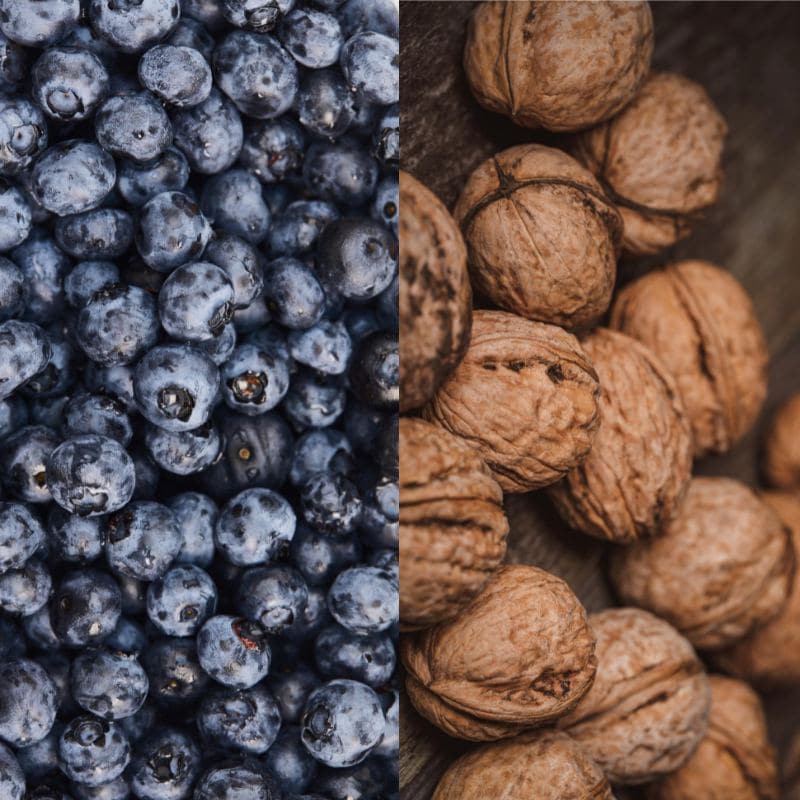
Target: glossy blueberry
{"x": 386, "y": 205}
{"x": 375, "y": 372}
{"x": 180, "y": 76}
{"x": 168, "y": 172}
{"x": 324, "y": 103}
{"x": 237, "y": 780}
{"x": 132, "y": 25}
{"x": 134, "y": 127}
{"x": 15, "y": 216}
{"x": 181, "y": 601}
{"x": 183, "y": 452}
{"x": 273, "y": 596}
{"x": 242, "y": 263}
{"x": 234, "y": 651}
{"x": 14, "y": 64}
{"x": 196, "y": 514}
{"x": 24, "y": 459}
{"x": 370, "y": 15}
{"x": 256, "y": 15}
{"x": 343, "y": 172}
{"x": 326, "y": 347}
{"x": 289, "y": 761}
{"x": 330, "y": 503}
{"x": 386, "y": 139}
{"x": 28, "y": 702}
{"x": 74, "y": 538}
{"x": 102, "y": 233}
{"x": 314, "y": 400}
{"x": 313, "y": 37}
{"x": 12, "y": 778}
{"x": 232, "y": 201}
{"x": 325, "y": 450}
{"x": 23, "y": 133}
{"x": 21, "y": 535}
{"x": 192, "y": 34}
{"x": 254, "y": 380}
{"x": 293, "y": 292}
{"x": 371, "y": 63}
{"x": 38, "y": 24}
{"x": 176, "y": 678}
{"x": 364, "y": 600}
{"x": 165, "y": 766}
{"x": 370, "y": 659}
{"x": 44, "y": 266}
{"x": 100, "y": 414}
{"x": 85, "y": 608}
{"x": 109, "y": 685}
{"x": 86, "y": 278}
{"x": 93, "y": 751}
{"x": 320, "y": 558}
{"x": 247, "y": 720}
{"x": 296, "y": 230}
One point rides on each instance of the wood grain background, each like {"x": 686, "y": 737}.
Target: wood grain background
{"x": 747, "y": 55}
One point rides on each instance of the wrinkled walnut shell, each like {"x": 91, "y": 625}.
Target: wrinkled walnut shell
{"x": 700, "y": 322}
{"x": 791, "y": 769}
{"x": 525, "y": 397}
{"x": 634, "y": 479}
{"x": 520, "y": 655}
{"x": 782, "y": 450}
{"x": 722, "y": 566}
{"x": 454, "y": 528}
{"x": 734, "y": 761}
{"x": 546, "y": 766}
{"x": 648, "y": 707}
{"x": 659, "y": 160}
{"x": 541, "y": 235}
{"x": 561, "y": 66}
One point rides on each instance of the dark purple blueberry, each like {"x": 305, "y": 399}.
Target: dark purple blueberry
{"x": 179, "y": 76}
{"x": 133, "y": 25}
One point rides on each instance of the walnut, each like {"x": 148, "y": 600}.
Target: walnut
{"x": 724, "y": 565}
{"x": 659, "y": 160}
{"x": 435, "y": 294}
{"x": 561, "y": 66}
{"x": 525, "y": 397}
{"x": 734, "y": 761}
{"x": 542, "y": 236}
{"x": 790, "y": 769}
{"x": 635, "y": 477}
{"x": 769, "y": 655}
{"x": 454, "y": 528}
{"x": 700, "y": 322}
{"x": 520, "y": 655}
{"x": 547, "y": 765}
{"x": 648, "y": 707}
{"x": 782, "y": 450}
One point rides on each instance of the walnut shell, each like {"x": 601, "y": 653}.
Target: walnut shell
{"x": 548, "y": 766}
{"x": 634, "y": 479}
{"x": 770, "y": 655}
{"x": 542, "y": 236}
{"x": 782, "y": 450}
{"x": 435, "y": 294}
{"x": 734, "y": 761}
{"x": 525, "y": 397}
{"x": 790, "y": 769}
{"x": 561, "y": 66}
{"x": 701, "y": 324}
{"x": 520, "y": 655}
{"x": 648, "y": 707}
{"x": 454, "y": 528}
{"x": 659, "y": 160}
{"x": 724, "y": 565}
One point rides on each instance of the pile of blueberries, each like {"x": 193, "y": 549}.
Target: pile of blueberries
{"x": 198, "y": 399}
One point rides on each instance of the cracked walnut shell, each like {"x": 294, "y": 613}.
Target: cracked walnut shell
{"x": 782, "y": 449}
{"x": 520, "y": 655}
{"x": 525, "y": 397}
{"x": 548, "y": 766}
{"x": 734, "y": 760}
{"x": 648, "y": 707}
{"x": 700, "y": 322}
{"x": 721, "y": 567}
{"x": 561, "y": 66}
{"x": 659, "y": 160}
{"x": 541, "y": 234}
{"x": 634, "y": 479}
{"x": 454, "y": 528}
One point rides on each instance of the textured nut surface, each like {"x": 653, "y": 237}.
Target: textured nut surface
{"x": 659, "y": 160}
{"x": 648, "y": 707}
{"x": 790, "y": 769}
{"x": 541, "y": 235}
{"x": 521, "y": 654}
{"x": 562, "y": 66}
{"x": 546, "y": 766}
{"x": 525, "y": 397}
{"x": 635, "y": 477}
{"x": 782, "y": 450}
{"x": 734, "y": 761}
{"x": 454, "y": 528}
{"x": 700, "y": 322}
{"x": 722, "y": 566}
{"x": 769, "y": 656}
{"x": 435, "y": 294}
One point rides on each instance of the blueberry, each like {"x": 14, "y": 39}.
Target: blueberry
{"x": 100, "y": 234}
{"x": 40, "y": 760}
{"x": 93, "y": 751}
{"x": 380, "y": 519}
{"x": 386, "y": 140}
{"x": 180, "y": 76}
{"x": 232, "y": 201}
{"x": 256, "y": 15}
{"x": 132, "y": 25}
{"x": 314, "y": 400}
{"x": 247, "y": 720}
{"x": 192, "y": 34}
{"x": 118, "y": 789}
{"x": 197, "y": 515}
{"x": 370, "y": 659}
{"x": 273, "y": 149}
{"x": 207, "y": 12}
{"x": 13, "y": 415}
{"x": 133, "y": 126}
{"x": 364, "y": 600}
{"x": 330, "y": 503}
{"x": 138, "y": 183}
{"x": 342, "y": 172}
{"x": 326, "y": 347}
{"x": 128, "y": 638}
{"x": 325, "y": 104}
{"x": 370, "y": 778}
{"x": 375, "y": 373}
{"x": 296, "y": 230}
{"x": 84, "y": 38}
{"x": 314, "y": 38}
{"x": 14, "y": 64}
{"x": 254, "y": 380}
{"x": 24, "y": 460}
{"x": 85, "y": 608}
{"x": 324, "y": 450}
{"x": 370, "y": 63}
{"x": 74, "y": 538}
{"x": 181, "y": 601}
{"x": 86, "y": 278}
{"x": 44, "y": 265}
{"x": 13, "y": 291}
{"x": 100, "y": 414}
{"x": 234, "y": 651}
{"x": 116, "y": 381}
{"x": 165, "y": 766}
{"x": 27, "y": 702}
{"x": 386, "y": 205}
{"x": 289, "y": 762}
{"x": 294, "y": 294}
{"x": 320, "y": 557}
{"x": 183, "y": 452}
{"x": 315, "y": 616}
{"x": 291, "y": 687}
{"x": 12, "y": 779}
{"x": 273, "y": 596}
{"x": 21, "y": 535}
{"x": 38, "y": 24}
{"x": 381, "y": 16}
{"x": 39, "y": 630}
{"x": 176, "y": 678}
{"x": 15, "y": 216}
{"x": 242, "y": 263}
{"x": 108, "y": 685}
{"x": 13, "y": 638}
{"x": 219, "y": 348}
{"x": 59, "y": 375}
{"x": 388, "y": 306}
{"x": 255, "y": 316}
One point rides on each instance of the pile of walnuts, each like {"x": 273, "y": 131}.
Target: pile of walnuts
{"x": 524, "y": 389}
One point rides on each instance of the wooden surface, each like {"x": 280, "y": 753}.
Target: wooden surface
{"x": 747, "y": 55}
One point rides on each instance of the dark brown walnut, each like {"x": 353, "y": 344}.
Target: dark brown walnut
{"x": 435, "y": 294}
{"x": 525, "y": 398}
{"x": 720, "y": 568}
{"x": 520, "y": 655}
{"x": 659, "y": 160}
{"x": 634, "y": 479}
{"x": 701, "y": 324}
{"x": 782, "y": 448}
{"x": 734, "y": 761}
{"x": 561, "y": 66}
{"x": 790, "y": 769}
{"x": 454, "y": 528}
{"x": 770, "y": 656}
{"x": 541, "y": 235}
{"x": 648, "y": 707}
{"x": 547, "y": 766}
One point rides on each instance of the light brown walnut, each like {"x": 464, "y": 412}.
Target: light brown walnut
{"x": 659, "y": 160}
{"x": 634, "y": 479}
{"x": 701, "y": 324}
{"x": 561, "y": 66}
{"x": 520, "y": 655}
{"x": 782, "y": 450}
{"x": 525, "y": 397}
{"x": 734, "y": 761}
{"x": 648, "y": 707}
{"x": 435, "y": 294}
{"x": 723, "y": 566}
{"x": 454, "y": 528}
{"x": 542, "y": 236}
{"x": 547, "y": 766}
